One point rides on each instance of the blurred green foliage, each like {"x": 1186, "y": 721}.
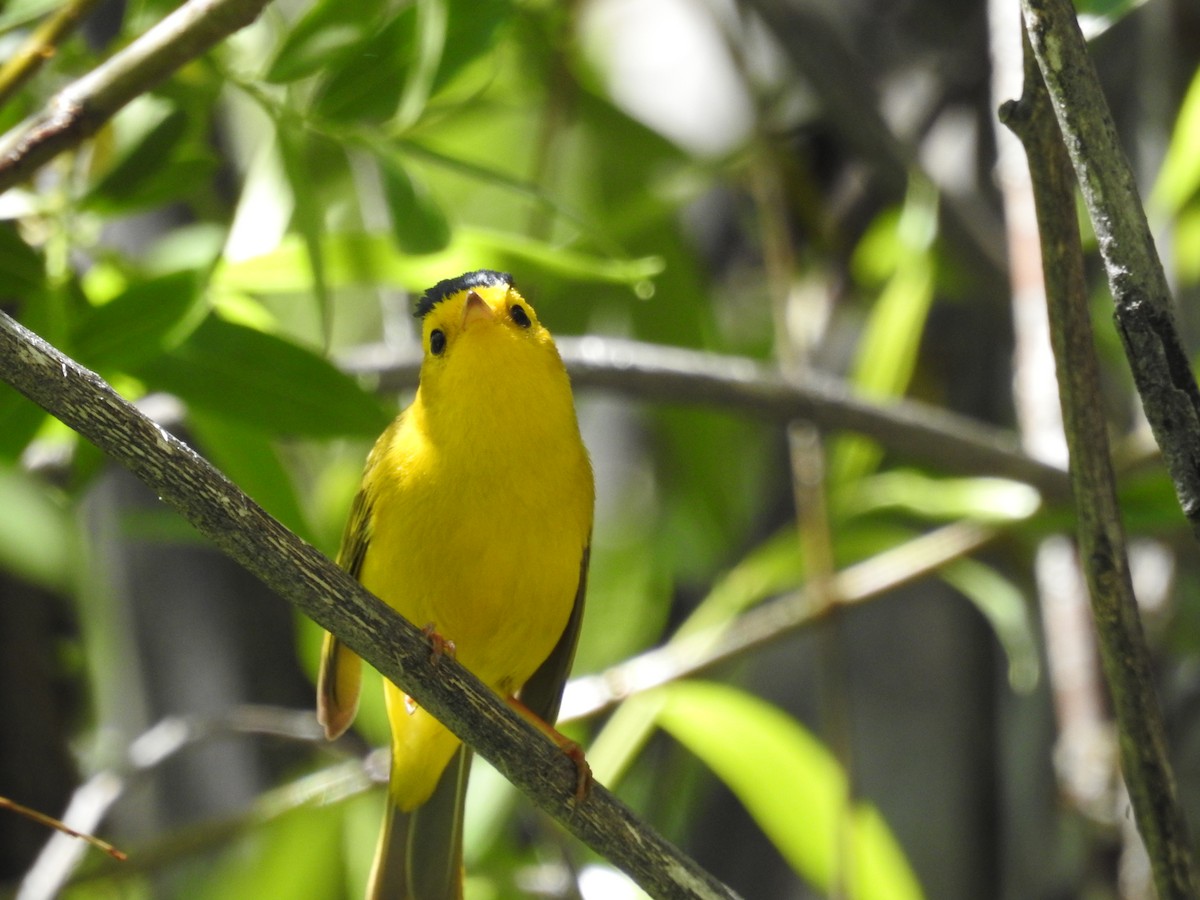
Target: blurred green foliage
{"x": 274, "y": 205}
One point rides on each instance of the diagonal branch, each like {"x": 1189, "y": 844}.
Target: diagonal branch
{"x": 687, "y": 654}
{"x": 1157, "y": 358}
{"x": 328, "y": 595}
{"x": 81, "y": 108}
{"x": 1125, "y": 657}
{"x": 41, "y": 46}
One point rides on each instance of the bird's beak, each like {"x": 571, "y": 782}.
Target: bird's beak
{"x": 476, "y": 310}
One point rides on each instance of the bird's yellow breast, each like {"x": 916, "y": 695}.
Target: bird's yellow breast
{"x": 485, "y": 549}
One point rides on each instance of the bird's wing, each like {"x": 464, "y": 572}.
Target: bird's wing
{"x": 542, "y": 693}
{"x": 340, "y": 676}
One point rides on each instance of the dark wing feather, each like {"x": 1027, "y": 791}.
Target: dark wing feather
{"x": 542, "y": 693}
{"x": 339, "y": 680}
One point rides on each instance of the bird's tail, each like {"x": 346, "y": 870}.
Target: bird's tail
{"x": 419, "y": 856}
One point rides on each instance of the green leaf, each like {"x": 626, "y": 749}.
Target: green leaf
{"x": 1003, "y": 605}
{"x": 22, "y": 271}
{"x": 471, "y": 31}
{"x": 20, "y": 419}
{"x": 428, "y": 46}
{"x": 793, "y": 787}
{"x": 149, "y": 318}
{"x": 1097, "y": 16}
{"x": 887, "y": 352}
{"x": 978, "y": 499}
{"x": 22, "y": 12}
{"x": 37, "y": 535}
{"x": 1186, "y": 239}
{"x": 323, "y": 37}
{"x": 770, "y": 568}
{"x": 418, "y": 223}
{"x": 247, "y": 376}
{"x": 358, "y": 258}
{"x": 368, "y": 82}
{"x": 308, "y": 217}
{"x": 1179, "y": 178}
{"x": 298, "y": 854}
{"x": 401, "y": 64}
{"x": 154, "y": 168}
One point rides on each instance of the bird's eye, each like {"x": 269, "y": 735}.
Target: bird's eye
{"x": 437, "y": 341}
{"x": 519, "y": 315}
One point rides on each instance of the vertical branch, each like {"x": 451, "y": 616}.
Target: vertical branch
{"x": 1146, "y": 323}
{"x": 1085, "y": 752}
{"x": 1123, "y": 650}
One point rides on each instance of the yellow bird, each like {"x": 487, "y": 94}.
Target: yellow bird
{"x": 474, "y": 521}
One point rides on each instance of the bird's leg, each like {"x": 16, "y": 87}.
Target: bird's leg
{"x": 439, "y": 645}
{"x": 583, "y": 772}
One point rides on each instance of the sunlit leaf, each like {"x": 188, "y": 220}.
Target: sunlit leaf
{"x": 248, "y": 376}
{"x": 793, "y": 787}
{"x": 770, "y": 568}
{"x": 20, "y": 12}
{"x": 979, "y": 499}
{"x": 429, "y": 45}
{"x": 361, "y": 259}
{"x": 1186, "y": 240}
{"x": 1179, "y": 178}
{"x": 887, "y": 351}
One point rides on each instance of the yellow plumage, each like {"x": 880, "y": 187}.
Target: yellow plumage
{"x": 473, "y": 519}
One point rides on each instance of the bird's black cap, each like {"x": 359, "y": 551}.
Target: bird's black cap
{"x": 443, "y": 289}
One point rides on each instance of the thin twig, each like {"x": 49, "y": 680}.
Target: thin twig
{"x": 1126, "y": 659}
{"x": 335, "y": 601}
{"x": 81, "y": 108}
{"x": 1160, "y": 365}
{"x": 58, "y": 825}
{"x": 92, "y": 801}
{"x": 41, "y": 46}
{"x": 661, "y": 374}
{"x": 1085, "y": 748}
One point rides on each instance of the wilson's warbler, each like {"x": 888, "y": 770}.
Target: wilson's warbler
{"x": 474, "y": 520}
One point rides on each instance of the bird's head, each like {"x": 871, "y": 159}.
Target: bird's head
{"x": 478, "y": 330}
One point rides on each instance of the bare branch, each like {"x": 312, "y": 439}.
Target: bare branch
{"x": 81, "y": 108}
{"x": 41, "y": 46}
{"x": 1123, "y": 651}
{"x": 1160, "y": 365}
